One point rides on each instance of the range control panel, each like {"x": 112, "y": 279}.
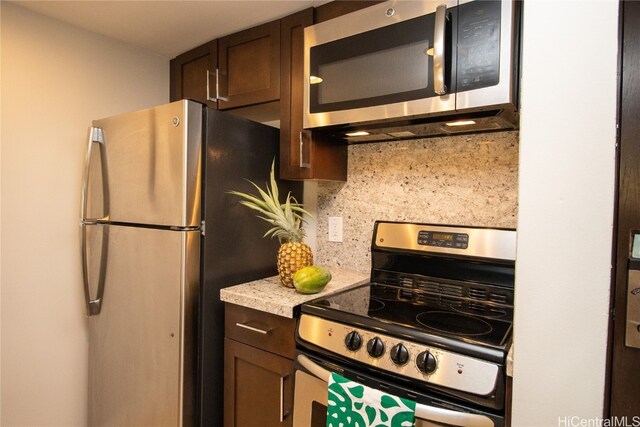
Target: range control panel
{"x": 443, "y": 239}
{"x": 492, "y": 243}
{"x": 410, "y": 359}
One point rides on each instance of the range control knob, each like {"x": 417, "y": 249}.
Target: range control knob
{"x": 375, "y": 347}
{"x": 426, "y": 363}
{"x": 399, "y": 354}
{"x": 353, "y": 341}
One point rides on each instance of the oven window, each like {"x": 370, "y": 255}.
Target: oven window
{"x": 386, "y": 65}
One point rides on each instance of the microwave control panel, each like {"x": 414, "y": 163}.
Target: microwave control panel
{"x": 478, "y": 45}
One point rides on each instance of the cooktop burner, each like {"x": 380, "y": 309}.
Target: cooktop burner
{"x": 375, "y": 305}
{"x": 454, "y": 323}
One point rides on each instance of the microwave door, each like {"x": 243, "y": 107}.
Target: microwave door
{"x": 485, "y": 54}
{"x": 386, "y": 61}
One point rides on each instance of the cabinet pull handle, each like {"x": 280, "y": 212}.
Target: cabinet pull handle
{"x": 305, "y": 140}
{"x": 218, "y": 96}
{"x": 439, "y": 35}
{"x": 259, "y": 330}
{"x": 209, "y": 98}
{"x": 283, "y": 413}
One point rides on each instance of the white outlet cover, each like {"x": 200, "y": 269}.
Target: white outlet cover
{"x": 335, "y": 229}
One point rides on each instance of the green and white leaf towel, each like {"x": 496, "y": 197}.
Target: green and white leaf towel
{"x": 353, "y": 405}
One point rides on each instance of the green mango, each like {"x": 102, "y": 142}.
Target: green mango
{"x": 311, "y": 279}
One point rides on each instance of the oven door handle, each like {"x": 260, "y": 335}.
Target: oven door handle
{"x": 425, "y": 412}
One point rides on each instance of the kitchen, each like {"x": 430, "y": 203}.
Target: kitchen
{"x": 50, "y": 71}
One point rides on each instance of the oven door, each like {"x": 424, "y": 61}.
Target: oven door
{"x": 385, "y": 61}
{"x": 310, "y": 400}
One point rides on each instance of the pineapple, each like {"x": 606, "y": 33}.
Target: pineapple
{"x": 286, "y": 220}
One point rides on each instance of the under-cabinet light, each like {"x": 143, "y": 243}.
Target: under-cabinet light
{"x": 314, "y": 80}
{"x": 358, "y": 133}
{"x": 461, "y": 123}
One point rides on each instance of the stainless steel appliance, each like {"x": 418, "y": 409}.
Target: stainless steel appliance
{"x": 406, "y": 69}
{"x": 433, "y": 325}
{"x": 160, "y": 237}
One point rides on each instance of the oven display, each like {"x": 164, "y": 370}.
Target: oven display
{"x": 443, "y": 239}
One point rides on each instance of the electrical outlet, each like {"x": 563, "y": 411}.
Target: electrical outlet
{"x": 335, "y": 229}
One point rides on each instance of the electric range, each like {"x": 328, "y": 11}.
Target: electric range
{"x": 434, "y": 322}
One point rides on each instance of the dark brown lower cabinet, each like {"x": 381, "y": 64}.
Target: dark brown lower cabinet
{"x": 259, "y": 349}
{"x": 258, "y": 389}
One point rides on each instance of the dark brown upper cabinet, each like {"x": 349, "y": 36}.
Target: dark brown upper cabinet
{"x": 192, "y": 74}
{"x": 249, "y": 67}
{"x": 302, "y": 156}
{"x": 239, "y": 70}
{"x": 258, "y": 73}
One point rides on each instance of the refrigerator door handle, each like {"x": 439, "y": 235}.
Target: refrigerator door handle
{"x": 94, "y": 305}
{"x": 96, "y": 136}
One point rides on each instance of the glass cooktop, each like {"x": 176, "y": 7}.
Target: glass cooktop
{"x": 417, "y": 313}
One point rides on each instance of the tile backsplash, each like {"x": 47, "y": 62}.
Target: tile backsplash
{"x": 464, "y": 180}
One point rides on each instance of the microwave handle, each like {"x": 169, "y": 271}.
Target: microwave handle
{"x": 439, "y": 35}
{"x": 425, "y": 412}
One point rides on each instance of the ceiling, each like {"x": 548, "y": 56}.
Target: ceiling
{"x": 167, "y": 28}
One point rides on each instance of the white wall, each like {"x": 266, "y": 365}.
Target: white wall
{"x": 55, "y": 80}
{"x": 566, "y": 199}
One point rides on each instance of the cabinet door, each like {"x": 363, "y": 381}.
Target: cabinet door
{"x": 258, "y": 387}
{"x": 249, "y": 66}
{"x": 302, "y": 155}
{"x": 193, "y": 74}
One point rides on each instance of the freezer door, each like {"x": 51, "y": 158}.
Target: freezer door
{"x": 145, "y": 167}
{"x": 141, "y": 343}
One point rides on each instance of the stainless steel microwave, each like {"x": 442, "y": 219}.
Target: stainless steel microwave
{"x": 405, "y": 68}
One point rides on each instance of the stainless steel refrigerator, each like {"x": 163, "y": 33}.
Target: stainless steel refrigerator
{"x": 160, "y": 237}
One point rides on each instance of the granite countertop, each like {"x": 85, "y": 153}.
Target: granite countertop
{"x": 270, "y": 296}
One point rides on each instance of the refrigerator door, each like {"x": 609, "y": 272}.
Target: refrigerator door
{"x": 141, "y": 343}
{"x": 144, "y": 167}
